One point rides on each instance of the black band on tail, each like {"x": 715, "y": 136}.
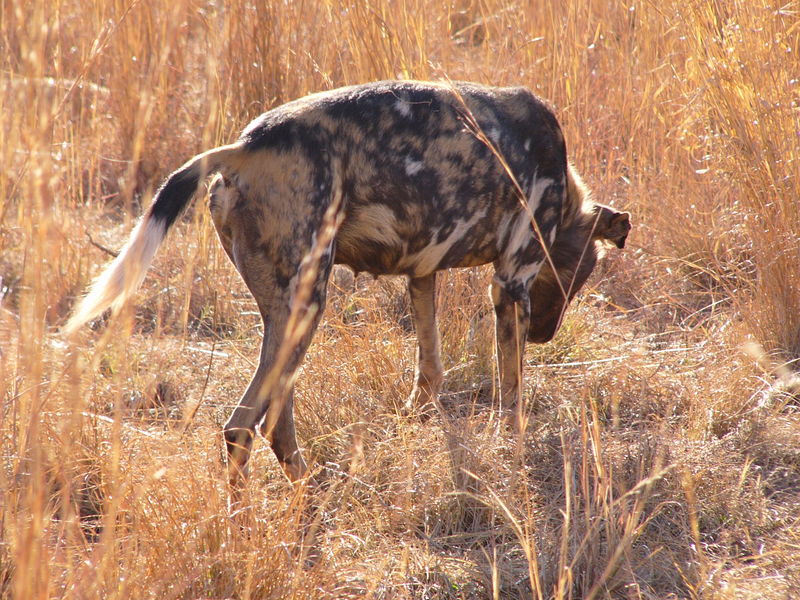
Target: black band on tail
{"x": 172, "y": 197}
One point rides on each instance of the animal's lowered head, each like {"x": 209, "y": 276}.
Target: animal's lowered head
{"x": 574, "y": 255}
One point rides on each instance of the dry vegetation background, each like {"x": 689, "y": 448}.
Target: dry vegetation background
{"x": 662, "y": 457}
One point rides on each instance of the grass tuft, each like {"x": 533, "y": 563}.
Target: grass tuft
{"x": 660, "y": 457}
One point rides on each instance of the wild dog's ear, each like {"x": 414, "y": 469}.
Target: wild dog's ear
{"x": 612, "y": 225}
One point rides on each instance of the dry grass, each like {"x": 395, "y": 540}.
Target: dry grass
{"x": 661, "y": 461}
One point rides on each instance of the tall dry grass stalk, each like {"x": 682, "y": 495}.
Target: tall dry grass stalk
{"x": 657, "y": 462}
{"x": 748, "y": 110}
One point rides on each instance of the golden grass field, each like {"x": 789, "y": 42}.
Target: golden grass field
{"x": 662, "y": 453}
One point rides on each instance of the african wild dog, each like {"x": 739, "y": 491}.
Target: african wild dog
{"x": 422, "y": 177}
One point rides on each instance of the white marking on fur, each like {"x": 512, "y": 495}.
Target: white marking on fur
{"x": 494, "y": 135}
{"x": 413, "y": 166}
{"x": 494, "y": 290}
{"x": 123, "y": 276}
{"x": 403, "y": 108}
{"x": 528, "y": 272}
{"x": 427, "y": 260}
{"x": 537, "y": 189}
{"x": 502, "y": 228}
{"x": 521, "y": 232}
{"x": 527, "y": 144}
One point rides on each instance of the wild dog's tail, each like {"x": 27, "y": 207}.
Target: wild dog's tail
{"x": 125, "y": 273}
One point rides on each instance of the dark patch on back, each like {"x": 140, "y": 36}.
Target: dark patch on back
{"x": 279, "y": 132}
{"x": 407, "y": 146}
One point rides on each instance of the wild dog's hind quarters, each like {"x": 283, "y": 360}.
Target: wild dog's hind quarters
{"x": 394, "y": 177}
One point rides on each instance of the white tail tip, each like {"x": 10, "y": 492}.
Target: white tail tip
{"x": 123, "y": 276}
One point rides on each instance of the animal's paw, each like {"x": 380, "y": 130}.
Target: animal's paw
{"x": 421, "y": 404}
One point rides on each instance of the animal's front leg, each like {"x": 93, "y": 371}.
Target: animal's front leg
{"x": 512, "y": 314}
{"x": 428, "y": 377}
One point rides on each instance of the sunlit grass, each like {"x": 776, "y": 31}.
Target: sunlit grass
{"x": 660, "y": 460}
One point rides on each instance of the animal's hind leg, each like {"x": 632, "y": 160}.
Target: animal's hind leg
{"x": 269, "y": 396}
{"x": 428, "y": 376}
{"x": 240, "y": 429}
{"x": 278, "y": 424}
{"x": 283, "y": 439}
